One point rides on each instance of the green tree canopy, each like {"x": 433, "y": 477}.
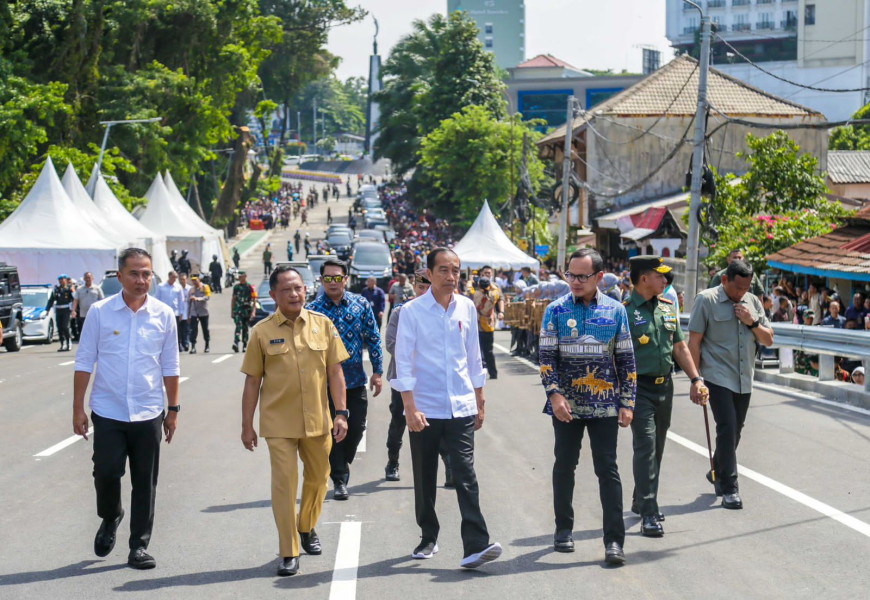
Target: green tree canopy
{"x": 852, "y": 137}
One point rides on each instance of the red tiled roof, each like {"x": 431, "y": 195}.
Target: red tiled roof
{"x": 545, "y": 61}
{"x": 651, "y": 218}
{"x": 846, "y": 250}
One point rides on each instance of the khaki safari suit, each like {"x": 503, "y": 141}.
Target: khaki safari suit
{"x": 654, "y": 330}
{"x": 291, "y": 357}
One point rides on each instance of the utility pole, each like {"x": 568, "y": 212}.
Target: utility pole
{"x": 566, "y": 183}
{"x": 299, "y": 133}
{"x": 697, "y": 165}
{"x": 314, "y": 123}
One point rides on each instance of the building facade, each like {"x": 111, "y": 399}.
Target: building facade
{"x": 818, "y": 43}
{"x": 502, "y": 25}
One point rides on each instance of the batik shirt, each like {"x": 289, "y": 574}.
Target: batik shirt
{"x": 355, "y": 321}
{"x": 586, "y": 355}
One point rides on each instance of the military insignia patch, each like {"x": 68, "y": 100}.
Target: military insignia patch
{"x": 644, "y": 339}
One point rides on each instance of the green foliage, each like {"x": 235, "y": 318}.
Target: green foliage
{"x": 852, "y": 137}
{"x": 469, "y": 158}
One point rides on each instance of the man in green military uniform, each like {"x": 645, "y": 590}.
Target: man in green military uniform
{"x": 244, "y": 309}
{"x": 658, "y": 341}
{"x": 737, "y": 254}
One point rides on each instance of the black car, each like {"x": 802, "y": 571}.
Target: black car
{"x": 111, "y": 286}
{"x": 265, "y": 304}
{"x": 11, "y": 308}
{"x": 341, "y": 242}
{"x": 370, "y": 259}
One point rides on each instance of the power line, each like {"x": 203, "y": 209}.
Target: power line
{"x": 785, "y": 126}
{"x": 852, "y": 68}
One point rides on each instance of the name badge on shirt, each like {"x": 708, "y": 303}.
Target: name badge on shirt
{"x": 278, "y": 341}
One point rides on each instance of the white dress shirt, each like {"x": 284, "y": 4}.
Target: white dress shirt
{"x": 169, "y": 294}
{"x": 133, "y": 352}
{"x": 438, "y": 356}
{"x": 184, "y": 302}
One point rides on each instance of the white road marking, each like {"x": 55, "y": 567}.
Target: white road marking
{"x": 346, "y": 562}
{"x": 69, "y": 362}
{"x": 362, "y": 443}
{"x": 799, "y": 497}
{"x": 61, "y": 445}
{"x": 182, "y": 379}
{"x": 221, "y": 359}
{"x": 790, "y": 392}
{"x": 519, "y": 359}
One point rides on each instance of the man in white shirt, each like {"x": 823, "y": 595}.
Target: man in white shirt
{"x": 166, "y": 292}
{"x": 83, "y": 298}
{"x": 132, "y": 339}
{"x": 183, "y": 299}
{"x": 440, "y": 376}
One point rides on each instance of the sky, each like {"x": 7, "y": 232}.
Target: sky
{"x": 597, "y": 34}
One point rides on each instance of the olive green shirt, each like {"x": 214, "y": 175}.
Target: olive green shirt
{"x": 755, "y": 287}
{"x": 728, "y": 348}
{"x": 655, "y": 329}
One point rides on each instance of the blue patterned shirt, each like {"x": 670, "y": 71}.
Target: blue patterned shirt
{"x": 586, "y": 355}
{"x": 355, "y": 321}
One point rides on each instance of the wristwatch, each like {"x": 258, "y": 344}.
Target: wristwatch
{"x": 343, "y": 413}
{"x": 176, "y": 408}
{"x": 755, "y": 324}
{"x": 696, "y": 379}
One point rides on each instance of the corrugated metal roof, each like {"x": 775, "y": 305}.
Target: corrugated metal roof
{"x": 849, "y": 166}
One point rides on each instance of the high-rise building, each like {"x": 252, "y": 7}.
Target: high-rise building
{"x": 816, "y": 43}
{"x": 502, "y": 25}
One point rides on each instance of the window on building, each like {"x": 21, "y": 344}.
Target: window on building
{"x": 810, "y": 14}
{"x": 487, "y": 28}
{"x": 487, "y": 42}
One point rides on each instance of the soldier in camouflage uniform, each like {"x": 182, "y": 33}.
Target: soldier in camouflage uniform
{"x": 244, "y": 308}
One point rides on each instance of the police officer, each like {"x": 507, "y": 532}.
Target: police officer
{"x": 244, "y": 309}
{"x": 658, "y": 341}
{"x": 62, "y": 299}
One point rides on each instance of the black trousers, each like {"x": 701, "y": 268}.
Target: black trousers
{"x": 267, "y": 268}
{"x": 486, "y": 340}
{"x": 602, "y": 437}
{"x": 80, "y": 325}
{"x": 457, "y": 435}
{"x": 342, "y": 454}
{"x": 183, "y": 333}
{"x": 114, "y": 443}
{"x": 729, "y": 411}
{"x": 194, "y": 322}
{"x": 649, "y": 430}
{"x": 61, "y": 320}
{"x": 396, "y": 431}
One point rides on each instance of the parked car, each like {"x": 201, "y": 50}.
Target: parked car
{"x": 370, "y": 259}
{"x": 336, "y": 227}
{"x": 388, "y": 231}
{"x": 111, "y": 286}
{"x": 340, "y": 241}
{"x": 369, "y": 235}
{"x": 314, "y": 261}
{"x": 11, "y": 308}
{"x": 304, "y": 268}
{"x": 265, "y": 305}
{"x": 38, "y": 322}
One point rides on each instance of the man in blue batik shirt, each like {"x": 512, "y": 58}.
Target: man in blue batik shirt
{"x": 353, "y": 317}
{"x": 588, "y": 372}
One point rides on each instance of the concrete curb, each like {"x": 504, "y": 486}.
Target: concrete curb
{"x": 839, "y": 392}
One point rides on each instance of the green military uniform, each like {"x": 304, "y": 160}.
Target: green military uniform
{"x": 755, "y": 288}
{"x": 655, "y": 329}
{"x": 244, "y": 296}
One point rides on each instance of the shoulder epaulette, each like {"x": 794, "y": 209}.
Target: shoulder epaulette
{"x": 665, "y": 300}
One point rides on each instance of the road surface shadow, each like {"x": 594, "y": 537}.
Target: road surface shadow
{"x": 78, "y": 569}
{"x": 547, "y": 538}
{"x": 702, "y": 503}
{"x": 267, "y": 570}
{"x": 221, "y": 508}
{"x": 378, "y": 485}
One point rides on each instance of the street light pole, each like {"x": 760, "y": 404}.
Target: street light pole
{"x": 108, "y": 125}
{"x": 566, "y": 183}
{"x": 314, "y": 124}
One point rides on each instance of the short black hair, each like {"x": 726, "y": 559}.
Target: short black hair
{"x": 129, "y": 253}
{"x": 597, "y": 261}
{"x": 278, "y": 271}
{"x": 433, "y": 256}
{"x": 486, "y": 267}
{"x": 733, "y": 250}
{"x": 738, "y": 268}
{"x": 333, "y": 262}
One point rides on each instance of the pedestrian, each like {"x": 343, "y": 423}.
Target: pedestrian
{"x": 295, "y": 349}
{"x": 184, "y": 264}
{"x": 83, "y": 298}
{"x": 377, "y": 298}
{"x": 198, "y": 298}
{"x": 183, "y": 295}
{"x": 329, "y": 216}
{"x": 588, "y": 372}
{"x": 490, "y": 308}
{"x": 440, "y": 377}
{"x": 307, "y": 244}
{"x": 173, "y": 259}
{"x": 61, "y": 298}
{"x": 131, "y": 340}
{"x": 267, "y": 260}
{"x": 401, "y": 291}
{"x": 658, "y": 342}
{"x": 216, "y": 271}
{"x": 297, "y": 240}
{"x": 736, "y": 254}
{"x": 529, "y": 277}
{"x": 236, "y": 257}
{"x": 289, "y": 251}
{"x": 353, "y": 317}
{"x": 834, "y": 318}
{"x": 304, "y": 216}
{"x": 727, "y": 322}
{"x": 244, "y": 308}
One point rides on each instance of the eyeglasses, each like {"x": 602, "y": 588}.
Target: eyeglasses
{"x": 332, "y": 278}
{"x": 569, "y": 276}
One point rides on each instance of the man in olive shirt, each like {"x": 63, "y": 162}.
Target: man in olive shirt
{"x": 658, "y": 341}
{"x": 294, "y": 353}
{"x": 726, "y": 324}
{"x": 737, "y": 254}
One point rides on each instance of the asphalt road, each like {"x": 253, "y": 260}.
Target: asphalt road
{"x": 803, "y": 533}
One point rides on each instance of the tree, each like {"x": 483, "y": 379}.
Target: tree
{"x": 852, "y": 137}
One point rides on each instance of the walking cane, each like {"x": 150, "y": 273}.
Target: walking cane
{"x": 709, "y": 445}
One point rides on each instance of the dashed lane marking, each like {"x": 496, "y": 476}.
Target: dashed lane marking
{"x": 346, "y": 562}
{"x": 361, "y": 447}
{"x": 69, "y": 362}
{"x": 61, "y": 445}
{"x": 221, "y": 359}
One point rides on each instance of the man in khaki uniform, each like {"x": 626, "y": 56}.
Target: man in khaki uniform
{"x": 294, "y": 354}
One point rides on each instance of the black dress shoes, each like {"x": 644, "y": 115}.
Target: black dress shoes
{"x": 391, "y": 472}
{"x": 288, "y": 566}
{"x": 563, "y": 541}
{"x": 310, "y": 542}
{"x": 613, "y": 554}
{"x": 634, "y": 508}
{"x": 732, "y": 501}
{"x": 716, "y": 485}
{"x": 650, "y": 527}
{"x": 340, "y": 492}
{"x": 448, "y": 479}
{"x": 104, "y": 542}
{"x": 139, "y": 559}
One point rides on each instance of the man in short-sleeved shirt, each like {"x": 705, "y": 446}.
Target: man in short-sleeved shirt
{"x": 291, "y": 358}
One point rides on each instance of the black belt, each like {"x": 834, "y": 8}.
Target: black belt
{"x": 654, "y": 379}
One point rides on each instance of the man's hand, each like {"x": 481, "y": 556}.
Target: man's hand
{"x": 625, "y": 417}
{"x": 698, "y": 393}
{"x": 375, "y": 383}
{"x": 561, "y": 408}
{"x": 416, "y": 420}
{"x": 339, "y": 428}
{"x": 170, "y": 422}
{"x": 744, "y": 314}
{"x": 478, "y": 418}
{"x": 249, "y": 437}
{"x": 80, "y": 423}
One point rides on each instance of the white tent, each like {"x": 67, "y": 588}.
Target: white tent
{"x": 86, "y": 207}
{"x": 183, "y": 230}
{"x": 486, "y": 244}
{"x": 46, "y": 236}
{"x": 127, "y": 228}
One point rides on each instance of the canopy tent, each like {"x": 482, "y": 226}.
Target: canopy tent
{"x": 47, "y": 236}
{"x": 86, "y": 207}
{"x": 486, "y": 244}
{"x": 127, "y": 228}
{"x": 182, "y": 208}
